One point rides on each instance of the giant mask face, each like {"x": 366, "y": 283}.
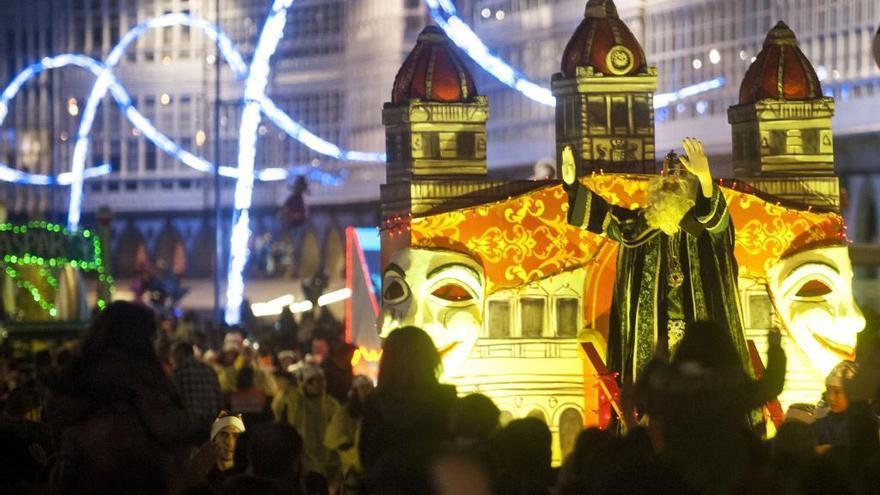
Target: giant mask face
{"x": 813, "y": 293}
{"x": 439, "y": 291}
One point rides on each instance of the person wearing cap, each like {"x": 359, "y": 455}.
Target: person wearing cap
{"x": 831, "y": 429}
{"x": 224, "y": 436}
{"x": 309, "y": 409}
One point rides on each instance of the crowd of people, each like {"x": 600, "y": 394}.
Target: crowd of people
{"x": 145, "y": 406}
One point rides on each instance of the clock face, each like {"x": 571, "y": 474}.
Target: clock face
{"x": 619, "y": 60}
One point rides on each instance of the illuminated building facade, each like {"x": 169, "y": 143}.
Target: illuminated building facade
{"x": 329, "y": 73}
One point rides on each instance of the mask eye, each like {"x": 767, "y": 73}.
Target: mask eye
{"x": 814, "y": 288}
{"x": 395, "y": 291}
{"x": 452, "y": 292}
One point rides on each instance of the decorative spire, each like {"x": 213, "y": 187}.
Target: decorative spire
{"x": 780, "y": 71}
{"x": 601, "y": 8}
{"x": 433, "y": 71}
{"x": 602, "y": 41}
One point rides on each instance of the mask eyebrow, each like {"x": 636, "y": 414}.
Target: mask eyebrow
{"x": 394, "y": 267}
{"x": 821, "y": 263}
{"x": 447, "y": 266}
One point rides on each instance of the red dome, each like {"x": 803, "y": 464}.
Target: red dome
{"x": 602, "y": 41}
{"x": 433, "y": 71}
{"x": 781, "y": 71}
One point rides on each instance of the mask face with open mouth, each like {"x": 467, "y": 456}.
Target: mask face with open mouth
{"x": 439, "y": 291}
{"x": 813, "y": 293}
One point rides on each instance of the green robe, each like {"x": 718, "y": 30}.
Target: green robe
{"x": 647, "y": 309}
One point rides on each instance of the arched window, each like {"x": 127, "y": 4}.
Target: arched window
{"x": 570, "y": 425}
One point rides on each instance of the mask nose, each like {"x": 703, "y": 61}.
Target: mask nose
{"x": 396, "y": 316}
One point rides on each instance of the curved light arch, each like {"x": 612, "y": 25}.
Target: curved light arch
{"x": 106, "y": 82}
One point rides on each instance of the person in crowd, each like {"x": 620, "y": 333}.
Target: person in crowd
{"x": 338, "y": 369}
{"x": 309, "y": 410}
{"x": 275, "y": 452}
{"x": 28, "y": 444}
{"x": 320, "y": 348}
{"x": 452, "y": 473}
{"x": 344, "y": 429}
{"x": 225, "y": 432}
{"x": 474, "y": 419}
{"x": 199, "y": 389}
{"x": 793, "y": 447}
{"x": 831, "y": 429}
{"x": 699, "y": 404}
{"x": 226, "y": 369}
{"x": 247, "y": 399}
{"x": 294, "y": 217}
{"x": 286, "y": 359}
{"x": 288, "y": 330}
{"x": 262, "y": 378}
{"x": 124, "y": 426}
{"x": 520, "y": 458}
{"x": 410, "y": 408}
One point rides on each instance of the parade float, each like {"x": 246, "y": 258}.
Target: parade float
{"x": 517, "y": 300}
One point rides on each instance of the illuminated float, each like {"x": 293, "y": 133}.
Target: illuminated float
{"x": 512, "y": 294}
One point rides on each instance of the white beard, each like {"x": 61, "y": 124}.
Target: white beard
{"x": 669, "y": 199}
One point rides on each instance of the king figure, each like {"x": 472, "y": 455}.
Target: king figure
{"x": 675, "y": 263}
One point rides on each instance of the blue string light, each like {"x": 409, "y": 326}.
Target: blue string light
{"x": 106, "y": 82}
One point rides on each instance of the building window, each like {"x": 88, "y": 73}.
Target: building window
{"x": 499, "y": 319}
{"x": 596, "y": 116}
{"x": 151, "y": 159}
{"x": 532, "y": 317}
{"x": 642, "y": 115}
{"x": 132, "y": 155}
{"x": 567, "y": 317}
{"x": 619, "y": 115}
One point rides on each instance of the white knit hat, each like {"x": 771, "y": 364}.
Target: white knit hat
{"x": 224, "y": 420}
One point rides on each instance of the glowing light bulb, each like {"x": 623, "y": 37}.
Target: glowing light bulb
{"x": 697, "y": 63}
{"x": 72, "y": 107}
{"x": 714, "y": 56}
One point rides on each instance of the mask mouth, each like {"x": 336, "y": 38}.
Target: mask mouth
{"x": 445, "y": 350}
{"x": 843, "y": 351}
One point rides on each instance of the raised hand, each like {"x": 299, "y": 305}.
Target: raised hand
{"x": 569, "y": 168}
{"x": 697, "y": 163}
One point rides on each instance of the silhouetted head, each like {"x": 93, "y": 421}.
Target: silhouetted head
{"x": 274, "y": 449}
{"x": 709, "y": 345}
{"x": 124, "y": 327}
{"x": 410, "y": 362}
{"x": 474, "y": 416}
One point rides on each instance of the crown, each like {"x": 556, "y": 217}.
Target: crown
{"x": 672, "y": 165}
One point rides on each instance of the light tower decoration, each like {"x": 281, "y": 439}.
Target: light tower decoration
{"x": 782, "y": 140}
{"x": 435, "y": 137}
{"x": 604, "y": 96}
{"x": 435, "y": 122}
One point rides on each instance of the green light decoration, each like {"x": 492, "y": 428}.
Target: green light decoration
{"x": 49, "y": 246}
